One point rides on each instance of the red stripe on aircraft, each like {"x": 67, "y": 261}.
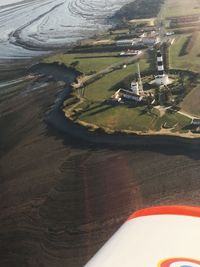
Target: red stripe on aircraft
{"x": 168, "y": 262}
{"x": 167, "y": 210}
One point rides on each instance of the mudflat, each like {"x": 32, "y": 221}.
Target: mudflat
{"x": 61, "y": 197}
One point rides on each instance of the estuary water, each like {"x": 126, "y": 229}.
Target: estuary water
{"x": 30, "y": 25}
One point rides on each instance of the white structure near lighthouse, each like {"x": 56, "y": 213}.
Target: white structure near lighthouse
{"x": 136, "y": 86}
{"x": 161, "y": 78}
{"x": 135, "y": 92}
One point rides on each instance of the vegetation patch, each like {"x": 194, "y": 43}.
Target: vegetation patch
{"x": 140, "y": 9}
{"x": 189, "y": 44}
{"x": 173, "y": 121}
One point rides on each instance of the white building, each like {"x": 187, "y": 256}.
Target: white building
{"x": 135, "y": 88}
{"x": 128, "y": 42}
{"x": 130, "y": 53}
{"x": 130, "y": 95}
{"x": 135, "y": 92}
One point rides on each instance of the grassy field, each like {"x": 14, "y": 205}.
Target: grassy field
{"x": 102, "y": 89}
{"x": 119, "y": 117}
{"x": 86, "y": 63}
{"x": 190, "y": 61}
{"x": 173, "y": 120}
{"x": 123, "y": 117}
{"x": 175, "y": 8}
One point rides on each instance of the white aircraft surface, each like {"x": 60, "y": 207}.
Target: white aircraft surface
{"x": 165, "y": 236}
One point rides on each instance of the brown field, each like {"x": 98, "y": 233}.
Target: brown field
{"x": 192, "y": 42}
{"x": 191, "y": 103}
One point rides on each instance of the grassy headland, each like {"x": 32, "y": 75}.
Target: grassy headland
{"x": 105, "y": 72}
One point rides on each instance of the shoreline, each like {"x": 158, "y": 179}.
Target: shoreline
{"x": 56, "y": 118}
{"x": 163, "y": 132}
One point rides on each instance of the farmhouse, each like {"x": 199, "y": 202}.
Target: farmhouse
{"x": 150, "y": 40}
{"x": 126, "y": 94}
{"x": 126, "y": 42}
{"x": 130, "y": 53}
{"x": 196, "y": 122}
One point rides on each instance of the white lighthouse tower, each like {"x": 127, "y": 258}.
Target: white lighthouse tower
{"x": 162, "y": 78}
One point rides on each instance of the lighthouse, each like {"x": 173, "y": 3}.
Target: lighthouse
{"x": 161, "y": 78}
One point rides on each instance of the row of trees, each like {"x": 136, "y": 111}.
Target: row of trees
{"x": 140, "y": 9}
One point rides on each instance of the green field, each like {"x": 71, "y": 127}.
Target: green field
{"x": 119, "y": 117}
{"x": 123, "y": 117}
{"x": 102, "y": 88}
{"x": 93, "y": 108}
{"x": 173, "y": 120}
{"x": 190, "y": 61}
{"x": 86, "y": 62}
{"x": 174, "y": 8}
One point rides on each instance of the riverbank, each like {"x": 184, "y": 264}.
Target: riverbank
{"x": 97, "y": 135}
